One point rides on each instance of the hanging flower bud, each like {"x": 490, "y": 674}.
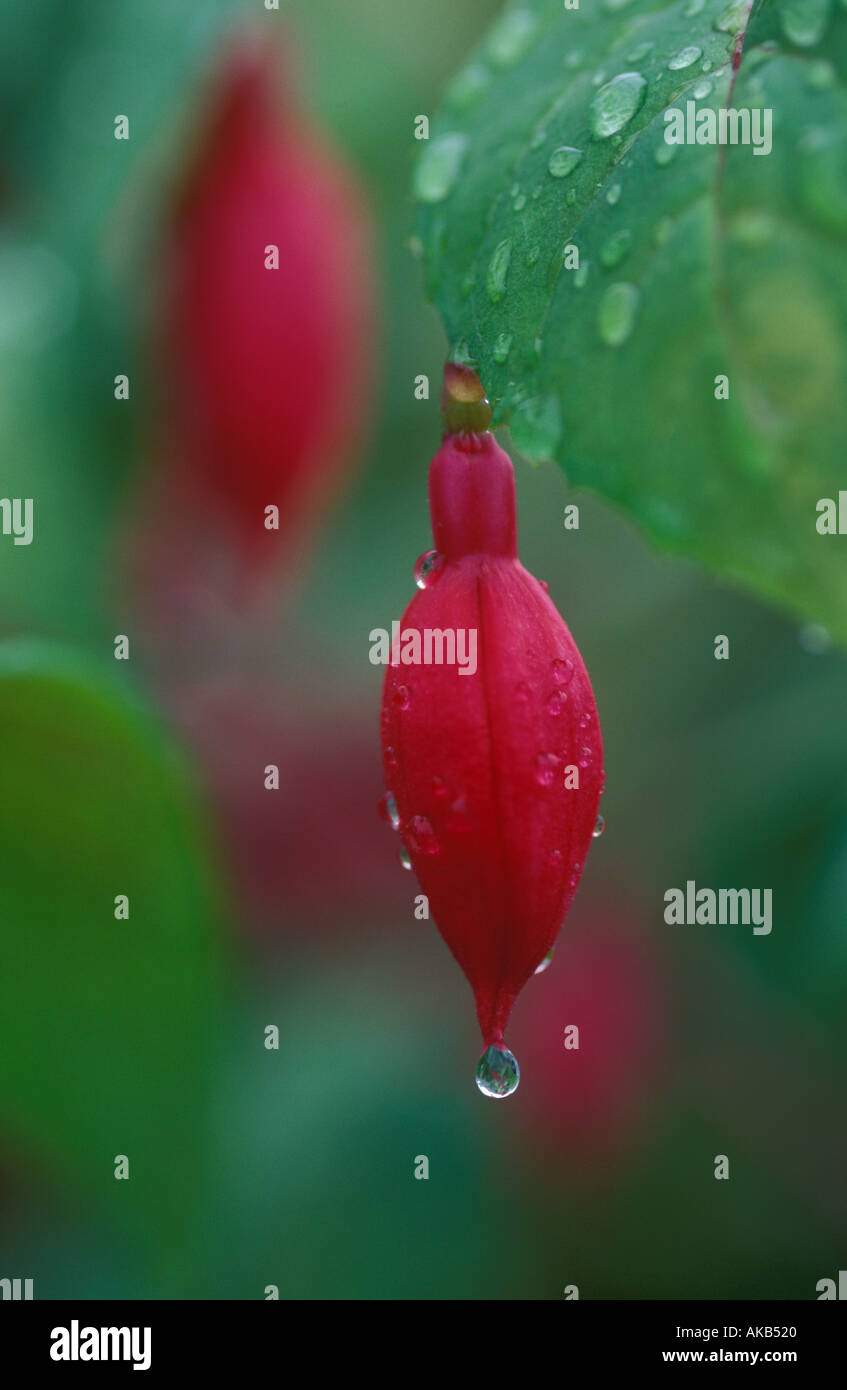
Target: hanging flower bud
{"x": 494, "y": 765}
{"x": 267, "y": 285}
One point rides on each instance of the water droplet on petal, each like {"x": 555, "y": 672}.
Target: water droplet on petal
{"x": 539, "y": 969}
{"x": 616, "y": 315}
{"x": 438, "y": 167}
{"x": 421, "y": 836}
{"x": 439, "y": 788}
{"x": 522, "y": 692}
{"x": 562, "y": 670}
{"x": 390, "y": 758}
{"x": 616, "y": 103}
{"x": 459, "y": 820}
{"x": 402, "y": 697}
{"x": 388, "y": 810}
{"x": 498, "y": 269}
{"x": 555, "y": 859}
{"x": 685, "y": 57}
{"x": 497, "y": 1072}
{"x": 427, "y": 568}
{"x": 556, "y": 703}
{"x": 563, "y": 161}
{"x": 404, "y": 858}
{"x": 545, "y": 769}
{"x": 599, "y": 827}
{"x": 586, "y": 756}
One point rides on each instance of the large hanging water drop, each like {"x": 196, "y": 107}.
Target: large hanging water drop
{"x": 497, "y": 1072}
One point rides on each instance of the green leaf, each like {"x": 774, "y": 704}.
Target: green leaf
{"x": 695, "y": 261}
{"x": 106, "y": 1022}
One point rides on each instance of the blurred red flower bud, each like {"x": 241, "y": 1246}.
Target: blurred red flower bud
{"x": 594, "y": 1044}
{"x": 267, "y": 337}
{"x": 495, "y": 771}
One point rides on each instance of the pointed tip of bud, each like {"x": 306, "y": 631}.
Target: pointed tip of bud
{"x": 464, "y": 404}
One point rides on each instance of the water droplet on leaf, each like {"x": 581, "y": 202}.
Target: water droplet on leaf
{"x": 615, "y": 104}
{"x": 684, "y": 58}
{"x": 804, "y": 21}
{"x": 468, "y": 86}
{"x": 616, "y": 315}
{"x": 733, "y": 18}
{"x": 502, "y": 345}
{"x": 616, "y": 248}
{"x": 498, "y": 269}
{"x": 563, "y": 161}
{"x": 438, "y": 167}
{"x": 510, "y": 37}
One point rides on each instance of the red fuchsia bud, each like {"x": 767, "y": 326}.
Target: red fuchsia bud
{"x": 494, "y": 768}
{"x": 268, "y": 308}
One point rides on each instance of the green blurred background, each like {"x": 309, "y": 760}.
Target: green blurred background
{"x": 295, "y": 1168}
